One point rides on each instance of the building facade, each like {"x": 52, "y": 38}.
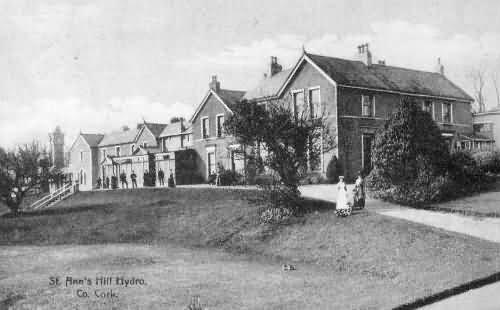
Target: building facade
{"x": 356, "y": 97}
{"x": 84, "y": 160}
{"x": 487, "y": 125}
{"x": 212, "y": 145}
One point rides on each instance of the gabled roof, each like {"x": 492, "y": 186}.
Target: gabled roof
{"x": 92, "y": 139}
{"x": 226, "y": 96}
{"x": 352, "y": 73}
{"x": 172, "y": 129}
{"x": 269, "y": 86}
{"x": 119, "y": 137}
{"x": 155, "y": 128}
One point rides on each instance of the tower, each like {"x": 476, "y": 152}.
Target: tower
{"x": 57, "y": 148}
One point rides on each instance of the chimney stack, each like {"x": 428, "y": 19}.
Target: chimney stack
{"x": 364, "y": 54}
{"x": 214, "y": 84}
{"x": 440, "y": 67}
{"x": 274, "y": 67}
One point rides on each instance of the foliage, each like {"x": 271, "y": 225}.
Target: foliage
{"x": 22, "y": 170}
{"x": 230, "y": 177}
{"x": 291, "y": 141}
{"x": 176, "y": 119}
{"x": 333, "y": 170}
{"x": 275, "y": 215}
{"x": 413, "y": 166}
{"x": 489, "y": 161}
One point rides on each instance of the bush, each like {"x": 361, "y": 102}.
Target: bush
{"x": 275, "y": 215}
{"x": 312, "y": 178}
{"x": 229, "y": 177}
{"x": 412, "y": 164}
{"x": 333, "y": 170}
{"x": 489, "y": 161}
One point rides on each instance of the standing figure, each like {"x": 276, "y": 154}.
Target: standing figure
{"x": 171, "y": 181}
{"x": 359, "y": 192}
{"x": 146, "y": 178}
{"x": 123, "y": 179}
{"x": 161, "y": 177}
{"x": 343, "y": 208}
{"x": 106, "y": 183}
{"x": 133, "y": 177}
{"x": 99, "y": 182}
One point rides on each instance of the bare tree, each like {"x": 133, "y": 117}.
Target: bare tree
{"x": 495, "y": 81}
{"x": 477, "y": 77}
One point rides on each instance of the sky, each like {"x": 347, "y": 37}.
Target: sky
{"x": 93, "y": 66}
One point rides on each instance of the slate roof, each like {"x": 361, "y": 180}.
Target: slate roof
{"x": 377, "y": 76}
{"x": 172, "y": 129}
{"x": 269, "y": 86}
{"x": 230, "y": 97}
{"x": 356, "y": 73}
{"x": 119, "y": 137}
{"x": 92, "y": 139}
{"x": 155, "y": 128}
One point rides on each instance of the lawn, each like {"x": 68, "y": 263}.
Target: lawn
{"x": 209, "y": 242}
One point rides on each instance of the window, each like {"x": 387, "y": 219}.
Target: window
{"x": 315, "y": 103}
{"x": 447, "y": 118}
{"x": 117, "y": 151}
{"x": 211, "y": 163}
{"x": 427, "y": 107}
{"x": 220, "y": 123}
{"x": 368, "y": 105}
{"x": 144, "y": 144}
{"x": 483, "y": 127}
{"x": 81, "y": 156}
{"x": 366, "y": 148}
{"x": 204, "y": 127}
{"x": 298, "y": 103}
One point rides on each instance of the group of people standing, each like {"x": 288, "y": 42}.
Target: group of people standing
{"x": 148, "y": 180}
{"x": 344, "y": 207}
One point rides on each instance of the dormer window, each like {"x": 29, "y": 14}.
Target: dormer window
{"x": 368, "y": 105}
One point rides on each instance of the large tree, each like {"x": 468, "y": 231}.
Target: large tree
{"x": 408, "y": 153}
{"x": 291, "y": 141}
{"x": 21, "y": 170}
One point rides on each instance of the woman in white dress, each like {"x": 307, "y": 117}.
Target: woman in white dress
{"x": 343, "y": 208}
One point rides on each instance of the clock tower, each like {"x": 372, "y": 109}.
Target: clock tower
{"x": 57, "y": 148}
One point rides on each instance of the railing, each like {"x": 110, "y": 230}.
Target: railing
{"x": 58, "y": 195}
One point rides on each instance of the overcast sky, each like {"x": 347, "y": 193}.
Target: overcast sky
{"x": 96, "y": 65}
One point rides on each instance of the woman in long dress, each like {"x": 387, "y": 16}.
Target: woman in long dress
{"x": 359, "y": 193}
{"x": 343, "y": 208}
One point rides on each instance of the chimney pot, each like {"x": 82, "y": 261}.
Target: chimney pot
{"x": 214, "y": 84}
{"x": 274, "y": 67}
{"x": 439, "y": 67}
{"x": 364, "y": 54}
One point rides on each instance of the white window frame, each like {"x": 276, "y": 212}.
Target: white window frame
{"x": 208, "y": 127}
{"x": 117, "y": 151}
{"x": 294, "y": 93}
{"x": 217, "y": 125}
{"x": 309, "y": 103}
{"x": 432, "y": 107}
{"x": 210, "y": 150}
{"x": 371, "y": 99}
{"x": 442, "y": 112}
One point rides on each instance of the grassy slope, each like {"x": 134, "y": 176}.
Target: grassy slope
{"x": 382, "y": 261}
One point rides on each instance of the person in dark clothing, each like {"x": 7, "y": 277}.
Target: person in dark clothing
{"x": 99, "y": 182}
{"x": 106, "y": 183}
{"x": 145, "y": 179}
{"x": 133, "y": 177}
{"x": 161, "y": 177}
{"x": 171, "y": 181}
{"x": 123, "y": 179}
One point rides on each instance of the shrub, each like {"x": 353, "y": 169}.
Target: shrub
{"x": 489, "y": 161}
{"x": 229, "y": 177}
{"x": 412, "y": 164}
{"x": 275, "y": 215}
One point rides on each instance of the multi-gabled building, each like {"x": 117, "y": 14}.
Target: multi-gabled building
{"x": 357, "y": 97}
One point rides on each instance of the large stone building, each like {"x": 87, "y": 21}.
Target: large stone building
{"x": 357, "y": 97}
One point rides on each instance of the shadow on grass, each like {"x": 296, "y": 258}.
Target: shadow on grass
{"x": 59, "y": 211}
{"x": 450, "y": 292}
